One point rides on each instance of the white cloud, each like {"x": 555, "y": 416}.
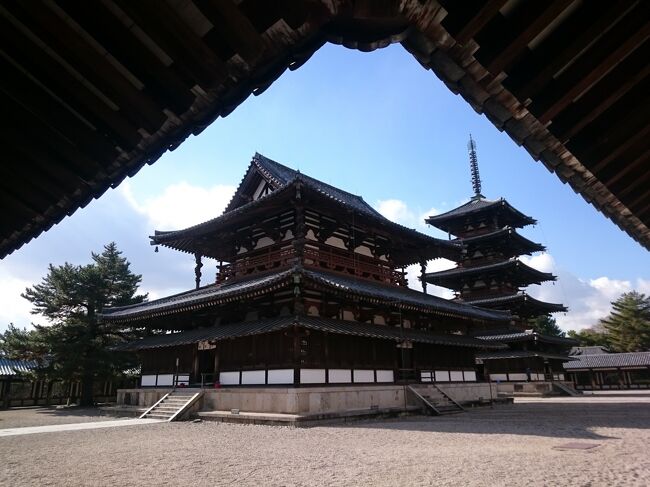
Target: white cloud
{"x": 13, "y": 308}
{"x": 413, "y": 273}
{"x": 397, "y": 211}
{"x": 588, "y": 300}
{"x": 181, "y": 205}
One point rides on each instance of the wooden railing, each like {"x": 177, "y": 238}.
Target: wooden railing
{"x": 268, "y": 259}
{"x": 324, "y": 258}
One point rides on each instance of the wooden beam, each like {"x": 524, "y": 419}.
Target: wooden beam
{"x": 37, "y": 100}
{"x": 572, "y": 36}
{"x": 45, "y": 135}
{"x": 592, "y": 65}
{"x": 464, "y": 27}
{"x": 35, "y": 61}
{"x": 526, "y": 33}
{"x": 603, "y": 95}
{"x": 233, "y": 26}
{"x": 164, "y": 26}
{"x": 162, "y": 83}
{"x": 59, "y": 36}
{"x": 620, "y": 172}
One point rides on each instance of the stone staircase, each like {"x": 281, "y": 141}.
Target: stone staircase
{"x": 436, "y": 401}
{"x": 566, "y": 390}
{"x": 172, "y": 406}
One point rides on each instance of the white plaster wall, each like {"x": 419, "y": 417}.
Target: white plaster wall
{"x": 363, "y": 250}
{"x": 335, "y": 242}
{"x": 312, "y": 376}
{"x": 264, "y": 242}
{"x": 442, "y": 375}
{"x": 253, "y": 377}
{"x": 340, "y": 376}
{"x": 281, "y": 376}
{"x": 385, "y": 376}
{"x": 148, "y": 380}
{"x": 456, "y": 375}
{"x": 228, "y": 378}
{"x": 501, "y": 377}
{"x": 469, "y": 375}
{"x": 364, "y": 376}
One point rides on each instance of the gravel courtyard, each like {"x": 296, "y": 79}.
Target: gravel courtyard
{"x": 507, "y": 445}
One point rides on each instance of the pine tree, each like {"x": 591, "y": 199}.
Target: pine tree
{"x": 628, "y": 324}
{"x": 546, "y": 325}
{"x": 77, "y": 343}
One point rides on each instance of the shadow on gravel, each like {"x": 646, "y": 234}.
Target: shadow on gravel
{"x": 47, "y": 415}
{"x": 564, "y": 420}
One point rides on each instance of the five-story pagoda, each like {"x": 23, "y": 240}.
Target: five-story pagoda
{"x": 489, "y": 274}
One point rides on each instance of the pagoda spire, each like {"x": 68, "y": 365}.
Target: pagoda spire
{"x": 473, "y": 164}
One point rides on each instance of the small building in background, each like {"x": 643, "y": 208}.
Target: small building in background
{"x": 595, "y": 368}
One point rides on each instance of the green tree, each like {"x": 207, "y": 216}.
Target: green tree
{"x": 628, "y": 324}
{"x": 546, "y": 325}
{"x": 77, "y": 344}
{"x": 589, "y": 337}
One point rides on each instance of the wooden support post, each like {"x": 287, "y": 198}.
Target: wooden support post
{"x": 423, "y": 272}
{"x": 197, "y": 269}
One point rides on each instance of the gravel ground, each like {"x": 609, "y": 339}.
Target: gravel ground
{"x": 508, "y": 445}
{"x": 41, "y": 416}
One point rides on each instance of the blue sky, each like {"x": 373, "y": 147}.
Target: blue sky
{"x": 375, "y": 124}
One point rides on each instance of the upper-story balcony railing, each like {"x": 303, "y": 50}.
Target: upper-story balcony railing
{"x": 330, "y": 259}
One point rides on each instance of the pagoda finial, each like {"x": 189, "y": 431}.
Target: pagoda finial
{"x": 473, "y": 163}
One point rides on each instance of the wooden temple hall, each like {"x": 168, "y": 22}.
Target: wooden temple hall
{"x": 310, "y": 289}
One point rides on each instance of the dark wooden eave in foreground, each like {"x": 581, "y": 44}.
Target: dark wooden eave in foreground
{"x": 92, "y": 91}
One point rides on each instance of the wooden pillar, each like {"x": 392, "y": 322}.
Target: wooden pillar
{"x": 423, "y": 272}
{"x": 195, "y": 365}
{"x": 197, "y": 269}
{"x": 296, "y": 355}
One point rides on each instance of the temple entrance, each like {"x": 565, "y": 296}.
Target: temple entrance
{"x": 207, "y": 366}
{"x": 548, "y": 372}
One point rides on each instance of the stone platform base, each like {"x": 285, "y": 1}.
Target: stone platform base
{"x": 530, "y": 389}
{"x": 309, "y": 401}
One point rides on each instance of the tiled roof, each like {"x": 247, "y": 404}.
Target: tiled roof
{"x": 516, "y": 299}
{"x": 511, "y": 354}
{"x": 498, "y": 266}
{"x": 283, "y": 175}
{"x": 610, "y": 360}
{"x": 475, "y": 205}
{"x": 205, "y": 296}
{"x": 14, "y": 367}
{"x": 502, "y": 233}
{"x": 591, "y": 350}
{"x": 404, "y": 296}
{"x": 222, "y": 332}
{"x": 526, "y": 336}
{"x": 285, "y": 178}
{"x": 217, "y": 294}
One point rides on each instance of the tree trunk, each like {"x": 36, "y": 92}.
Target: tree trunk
{"x": 87, "y": 391}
